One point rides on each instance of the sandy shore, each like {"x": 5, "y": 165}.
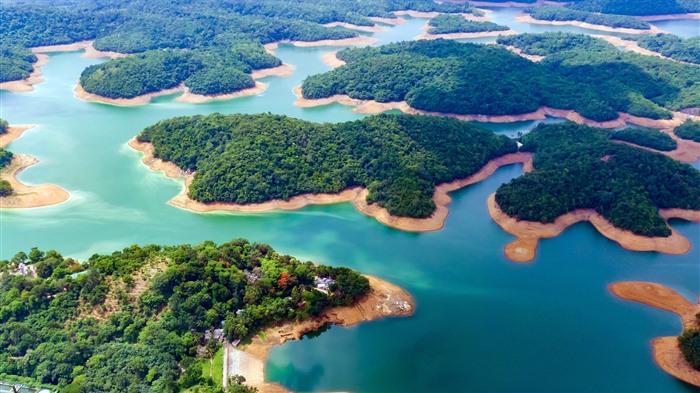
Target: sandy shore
{"x": 431, "y": 15}
{"x": 330, "y": 59}
{"x": 528, "y": 233}
{"x": 284, "y": 71}
{"x": 666, "y": 352}
{"x": 687, "y": 150}
{"x": 27, "y": 85}
{"x": 354, "y": 41}
{"x": 525, "y": 18}
{"x": 506, "y": 4}
{"x": 383, "y": 300}
{"x": 652, "y": 18}
{"x": 388, "y": 21}
{"x": 373, "y": 107}
{"x": 519, "y": 52}
{"x": 460, "y": 36}
{"x": 81, "y": 94}
{"x": 24, "y": 196}
{"x": 632, "y": 46}
{"x": 366, "y": 29}
{"x": 356, "y": 195}
{"x": 13, "y": 132}
{"x": 192, "y": 98}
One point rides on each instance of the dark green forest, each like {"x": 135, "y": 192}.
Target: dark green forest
{"x": 557, "y": 13}
{"x": 257, "y": 158}
{"x": 689, "y": 344}
{"x": 136, "y": 26}
{"x": 3, "y": 126}
{"x": 689, "y": 130}
{"x": 579, "y": 72}
{"x": 638, "y": 7}
{"x": 646, "y": 137}
{"x": 578, "y": 167}
{"x": 447, "y": 24}
{"x": 669, "y": 45}
{"x": 5, "y": 159}
{"x": 133, "y": 320}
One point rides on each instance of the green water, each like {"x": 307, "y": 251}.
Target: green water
{"x": 482, "y": 322}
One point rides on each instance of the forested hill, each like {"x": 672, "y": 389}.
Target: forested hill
{"x": 134, "y": 26}
{"x": 557, "y": 13}
{"x": 578, "y": 167}
{"x": 448, "y": 24}
{"x": 135, "y": 320}
{"x": 257, "y": 158}
{"x": 669, "y": 45}
{"x": 579, "y": 72}
{"x": 638, "y": 7}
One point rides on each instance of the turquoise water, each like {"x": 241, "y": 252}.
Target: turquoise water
{"x": 482, "y": 323}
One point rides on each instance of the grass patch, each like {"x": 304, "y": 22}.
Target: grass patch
{"x": 214, "y": 368}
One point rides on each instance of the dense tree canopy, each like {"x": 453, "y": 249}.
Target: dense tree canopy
{"x": 689, "y": 343}
{"x": 579, "y": 72}
{"x": 646, "y": 137}
{"x": 669, "y": 45}
{"x": 134, "y": 319}
{"x": 556, "y": 13}
{"x": 638, "y": 7}
{"x": 577, "y": 167}
{"x": 5, "y": 157}
{"x": 447, "y": 24}
{"x": 3, "y": 126}
{"x": 689, "y": 130}
{"x": 257, "y": 158}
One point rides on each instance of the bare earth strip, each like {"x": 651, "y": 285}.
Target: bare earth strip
{"x": 529, "y": 19}
{"x": 388, "y": 21}
{"x": 460, "y": 36}
{"x": 365, "y": 29}
{"x": 506, "y": 4}
{"x": 13, "y": 132}
{"x": 24, "y": 196}
{"x": 383, "y": 300}
{"x": 633, "y": 47}
{"x": 528, "y": 233}
{"x": 652, "y": 18}
{"x": 27, "y": 85}
{"x": 356, "y": 195}
{"x": 687, "y": 150}
{"x": 666, "y": 352}
{"x": 354, "y": 41}
{"x": 431, "y": 15}
{"x": 373, "y": 107}
{"x": 330, "y": 59}
{"x": 518, "y": 51}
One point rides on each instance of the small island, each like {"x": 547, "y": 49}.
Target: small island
{"x": 678, "y": 356}
{"x": 153, "y": 317}
{"x": 556, "y": 15}
{"x": 13, "y": 193}
{"x": 440, "y": 77}
{"x": 579, "y": 174}
{"x": 461, "y": 27}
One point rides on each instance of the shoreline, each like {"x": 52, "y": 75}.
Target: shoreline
{"x": 653, "y": 18}
{"x": 283, "y": 70}
{"x": 505, "y": 4}
{"x": 667, "y": 355}
{"x": 365, "y": 29}
{"x": 460, "y": 36}
{"x": 356, "y": 195}
{"x": 26, "y": 85}
{"x": 384, "y": 300}
{"x": 330, "y": 59}
{"x": 13, "y": 132}
{"x": 24, "y": 196}
{"x": 431, "y": 15}
{"x": 374, "y": 107}
{"x": 525, "y": 18}
{"x": 354, "y": 41}
{"x": 686, "y": 150}
{"x": 519, "y": 52}
{"x": 632, "y": 46}
{"x": 388, "y": 21}
{"x": 528, "y": 233}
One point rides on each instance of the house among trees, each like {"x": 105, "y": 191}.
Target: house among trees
{"x": 323, "y": 283}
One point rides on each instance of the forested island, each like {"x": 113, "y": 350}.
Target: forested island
{"x": 577, "y": 167}
{"x": 5, "y": 159}
{"x": 637, "y": 8}
{"x": 137, "y": 319}
{"x": 689, "y": 130}
{"x": 579, "y": 73}
{"x": 646, "y": 137}
{"x": 558, "y": 13}
{"x": 674, "y": 47}
{"x": 448, "y": 24}
{"x": 244, "y": 159}
{"x": 218, "y": 36}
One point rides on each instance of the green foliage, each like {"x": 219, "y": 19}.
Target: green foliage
{"x": 257, "y": 158}
{"x": 689, "y": 343}
{"x": 669, "y": 45}
{"x": 5, "y": 188}
{"x": 646, "y": 137}
{"x": 3, "y": 126}
{"x": 581, "y": 73}
{"x": 5, "y": 157}
{"x": 688, "y": 130}
{"x": 446, "y": 24}
{"x": 578, "y": 167}
{"x": 48, "y": 332}
{"x": 638, "y": 7}
{"x": 15, "y": 62}
{"x": 557, "y": 13}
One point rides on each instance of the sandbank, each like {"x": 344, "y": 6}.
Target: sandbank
{"x": 687, "y": 150}
{"x": 374, "y": 107}
{"x": 528, "y": 233}
{"x": 652, "y": 18}
{"x": 354, "y": 41}
{"x": 366, "y": 29}
{"x": 519, "y": 52}
{"x": 81, "y": 94}
{"x": 13, "y": 132}
{"x": 383, "y": 300}
{"x": 666, "y": 352}
{"x": 431, "y": 15}
{"x": 192, "y": 98}
{"x": 24, "y": 196}
{"x": 330, "y": 59}
{"x": 506, "y": 4}
{"x": 388, "y": 21}
{"x": 356, "y": 195}
{"x": 632, "y": 46}
{"x": 27, "y": 85}
{"x": 525, "y": 18}
{"x": 460, "y": 36}
{"x": 283, "y": 70}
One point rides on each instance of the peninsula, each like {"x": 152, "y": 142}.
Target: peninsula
{"x": 440, "y": 77}
{"x": 677, "y": 356}
{"x": 460, "y": 27}
{"x": 169, "y": 308}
